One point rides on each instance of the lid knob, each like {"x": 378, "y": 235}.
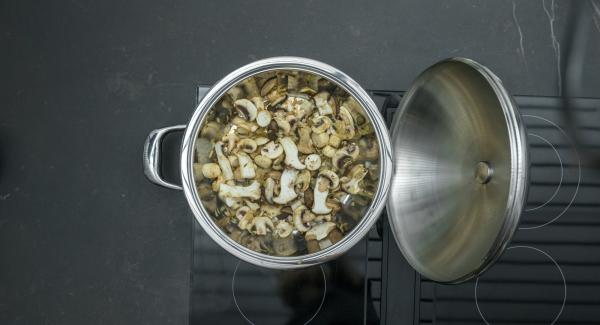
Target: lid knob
{"x": 483, "y": 172}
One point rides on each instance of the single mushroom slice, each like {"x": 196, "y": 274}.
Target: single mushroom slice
{"x": 298, "y": 217}
{"x": 302, "y": 181}
{"x": 247, "y": 145}
{"x": 320, "y": 140}
{"x": 250, "y": 87}
{"x": 344, "y": 125}
{"x": 291, "y": 153}
{"x": 258, "y": 102}
{"x": 272, "y": 150}
{"x": 245, "y": 218}
{"x": 235, "y": 93}
{"x": 283, "y": 229}
{"x": 247, "y": 168}
{"x": 263, "y": 118}
{"x": 345, "y": 156}
{"x": 251, "y": 191}
{"x": 369, "y": 150}
{"x": 325, "y": 103}
{"x": 246, "y": 108}
{"x": 211, "y": 131}
{"x": 268, "y": 86}
{"x": 246, "y": 125}
{"x": 286, "y": 192}
{"x": 332, "y": 177}
{"x": 298, "y": 104}
{"x": 269, "y": 189}
{"x": 305, "y": 145}
{"x": 321, "y": 124}
{"x": 312, "y": 162}
{"x": 261, "y": 225}
{"x": 261, "y": 141}
{"x": 262, "y": 161}
{"x": 320, "y": 231}
{"x": 351, "y": 183}
{"x": 320, "y": 193}
{"x": 211, "y": 170}
{"x": 270, "y": 211}
{"x": 223, "y": 162}
{"x": 282, "y": 122}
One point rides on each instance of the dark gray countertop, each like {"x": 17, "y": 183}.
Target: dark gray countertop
{"x": 84, "y": 238}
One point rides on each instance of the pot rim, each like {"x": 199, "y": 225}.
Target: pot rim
{"x": 212, "y": 97}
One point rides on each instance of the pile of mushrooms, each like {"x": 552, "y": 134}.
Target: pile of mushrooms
{"x": 281, "y": 157}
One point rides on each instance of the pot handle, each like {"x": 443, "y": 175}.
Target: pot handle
{"x": 152, "y": 156}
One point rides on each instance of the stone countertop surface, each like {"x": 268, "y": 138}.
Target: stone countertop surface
{"x": 84, "y": 238}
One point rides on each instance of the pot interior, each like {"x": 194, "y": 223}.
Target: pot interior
{"x": 286, "y": 164}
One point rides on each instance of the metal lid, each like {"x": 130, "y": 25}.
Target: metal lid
{"x": 460, "y": 171}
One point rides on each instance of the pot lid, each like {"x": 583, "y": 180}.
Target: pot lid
{"x": 460, "y": 171}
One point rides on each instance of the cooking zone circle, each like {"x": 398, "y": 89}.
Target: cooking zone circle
{"x": 302, "y": 291}
{"x": 537, "y": 282}
{"x": 562, "y": 173}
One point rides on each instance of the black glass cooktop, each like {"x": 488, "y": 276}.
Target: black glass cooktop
{"x": 549, "y": 275}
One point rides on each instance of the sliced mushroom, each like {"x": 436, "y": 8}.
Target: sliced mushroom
{"x": 312, "y": 162}
{"x": 270, "y": 211}
{"x": 321, "y": 124}
{"x": 277, "y": 95}
{"x": 344, "y": 125}
{"x": 263, "y": 118}
{"x": 259, "y": 103}
{"x": 328, "y": 151}
{"x": 223, "y": 162}
{"x": 302, "y": 181}
{"x": 282, "y": 122}
{"x": 261, "y": 140}
{"x": 305, "y": 144}
{"x": 269, "y": 189}
{"x": 247, "y": 145}
{"x": 272, "y": 150}
{"x": 320, "y": 231}
{"x": 351, "y": 183}
{"x": 334, "y": 140}
{"x": 324, "y": 103}
{"x": 299, "y": 105}
{"x": 246, "y": 108}
{"x": 211, "y": 131}
{"x": 235, "y": 93}
{"x": 332, "y": 177}
{"x": 345, "y": 156}
{"x": 262, "y": 161}
{"x": 320, "y": 193}
{"x": 291, "y": 153}
{"x": 286, "y": 192}
{"x": 268, "y": 86}
{"x": 211, "y": 170}
{"x": 297, "y": 218}
{"x": 251, "y": 191}
{"x": 369, "y": 150}
{"x": 250, "y": 87}
{"x": 198, "y": 175}
{"x": 240, "y": 122}
{"x": 283, "y": 229}
{"x": 261, "y": 225}
{"x": 245, "y": 218}
{"x": 320, "y": 140}
{"x": 247, "y": 168}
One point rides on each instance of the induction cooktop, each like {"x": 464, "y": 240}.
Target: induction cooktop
{"x": 550, "y": 273}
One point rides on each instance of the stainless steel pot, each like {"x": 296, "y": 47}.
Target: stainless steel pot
{"x": 152, "y": 161}
{"x": 453, "y": 173}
